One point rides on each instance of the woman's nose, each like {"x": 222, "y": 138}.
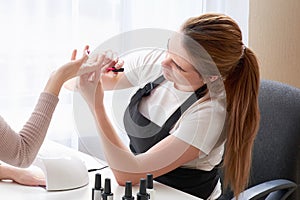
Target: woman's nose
{"x": 166, "y": 62}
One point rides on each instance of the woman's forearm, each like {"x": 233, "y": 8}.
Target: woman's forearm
{"x": 54, "y": 84}
{"x": 165, "y": 156}
{"x": 27, "y": 142}
{"x": 124, "y": 164}
{"x": 106, "y": 127}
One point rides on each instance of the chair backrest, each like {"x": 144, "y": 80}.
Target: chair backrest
{"x": 276, "y": 152}
{"x": 276, "y": 149}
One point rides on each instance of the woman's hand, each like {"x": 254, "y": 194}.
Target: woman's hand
{"x": 89, "y": 84}
{"x": 71, "y": 69}
{"x": 68, "y": 71}
{"x": 32, "y": 176}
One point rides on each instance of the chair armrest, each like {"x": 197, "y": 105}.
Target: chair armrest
{"x": 266, "y": 188}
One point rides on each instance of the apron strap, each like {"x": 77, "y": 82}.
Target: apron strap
{"x": 199, "y": 93}
{"x": 146, "y": 90}
{"x": 142, "y": 132}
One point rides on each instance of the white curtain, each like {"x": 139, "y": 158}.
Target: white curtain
{"x": 38, "y": 36}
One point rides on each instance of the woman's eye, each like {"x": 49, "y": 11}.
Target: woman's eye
{"x": 178, "y": 67}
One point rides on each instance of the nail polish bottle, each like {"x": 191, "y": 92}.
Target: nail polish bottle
{"x": 128, "y": 191}
{"x": 142, "y": 194}
{"x": 107, "y": 194}
{"x": 97, "y": 190}
{"x": 150, "y": 190}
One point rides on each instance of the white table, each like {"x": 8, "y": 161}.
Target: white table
{"x": 9, "y": 190}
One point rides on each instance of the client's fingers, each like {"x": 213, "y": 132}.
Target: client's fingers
{"x": 86, "y": 50}
{"x": 90, "y": 67}
{"x": 74, "y": 53}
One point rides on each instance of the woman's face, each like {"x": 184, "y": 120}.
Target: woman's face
{"x": 178, "y": 70}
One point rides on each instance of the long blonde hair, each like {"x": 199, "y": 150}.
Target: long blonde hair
{"x": 221, "y": 37}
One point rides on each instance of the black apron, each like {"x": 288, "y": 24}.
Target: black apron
{"x": 144, "y": 134}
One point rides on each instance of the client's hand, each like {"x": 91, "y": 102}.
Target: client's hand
{"x": 89, "y": 84}
{"x": 32, "y": 176}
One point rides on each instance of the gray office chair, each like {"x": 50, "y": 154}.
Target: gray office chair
{"x": 275, "y": 171}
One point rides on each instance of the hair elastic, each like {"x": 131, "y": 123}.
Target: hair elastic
{"x": 243, "y": 51}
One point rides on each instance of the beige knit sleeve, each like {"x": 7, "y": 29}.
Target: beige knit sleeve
{"x": 20, "y": 149}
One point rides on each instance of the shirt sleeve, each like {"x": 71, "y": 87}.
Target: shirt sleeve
{"x": 143, "y": 66}
{"x": 201, "y": 126}
{"x": 20, "y": 149}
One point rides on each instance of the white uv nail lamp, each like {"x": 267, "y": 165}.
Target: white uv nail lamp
{"x": 64, "y": 172}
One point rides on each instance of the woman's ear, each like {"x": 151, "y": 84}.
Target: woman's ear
{"x": 213, "y": 78}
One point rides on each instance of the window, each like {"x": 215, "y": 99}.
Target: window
{"x": 37, "y": 36}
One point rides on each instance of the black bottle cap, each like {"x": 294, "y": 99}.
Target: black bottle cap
{"x": 149, "y": 181}
{"x": 107, "y": 189}
{"x": 142, "y": 194}
{"x": 98, "y": 181}
{"x": 128, "y": 191}
{"x": 142, "y": 186}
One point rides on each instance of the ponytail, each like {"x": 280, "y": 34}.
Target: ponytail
{"x": 221, "y": 37}
{"x": 242, "y": 87}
